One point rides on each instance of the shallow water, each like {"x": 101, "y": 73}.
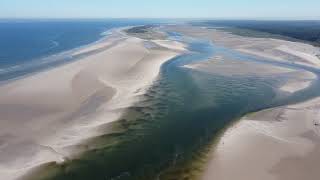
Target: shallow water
{"x": 180, "y": 113}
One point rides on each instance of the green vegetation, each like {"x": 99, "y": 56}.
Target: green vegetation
{"x": 147, "y": 32}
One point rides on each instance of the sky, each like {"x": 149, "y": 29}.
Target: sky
{"x": 215, "y": 9}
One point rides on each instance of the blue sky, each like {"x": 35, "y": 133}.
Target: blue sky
{"x": 230, "y": 9}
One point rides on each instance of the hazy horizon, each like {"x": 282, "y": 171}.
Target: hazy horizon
{"x": 164, "y": 18}
{"x": 187, "y": 9}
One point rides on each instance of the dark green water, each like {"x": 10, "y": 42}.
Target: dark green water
{"x": 183, "y": 111}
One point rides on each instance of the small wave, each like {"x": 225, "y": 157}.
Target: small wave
{"x": 38, "y": 63}
{"x": 52, "y": 44}
{"x": 107, "y": 33}
{"x": 52, "y": 60}
{"x": 55, "y": 44}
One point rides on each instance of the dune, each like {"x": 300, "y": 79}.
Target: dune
{"x": 45, "y": 114}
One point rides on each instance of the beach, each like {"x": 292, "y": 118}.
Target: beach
{"x": 277, "y": 143}
{"x": 45, "y": 115}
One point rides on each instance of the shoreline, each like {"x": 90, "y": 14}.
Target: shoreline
{"x": 46, "y": 63}
{"x": 279, "y": 145}
{"x": 213, "y": 165}
{"x": 98, "y": 87}
{"x": 217, "y": 167}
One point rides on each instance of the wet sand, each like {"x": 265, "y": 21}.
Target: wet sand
{"x": 44, "y": 115}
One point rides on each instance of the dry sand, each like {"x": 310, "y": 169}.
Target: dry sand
{"x": 170, "y": 44}
{"x": 280, "y": 143}
{"x": 42, "y": 115}
{"x": 231, "y": 67}
{"x": 298, "y": 84}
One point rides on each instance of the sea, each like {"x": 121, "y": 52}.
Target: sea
{"x": 30, "y": 45}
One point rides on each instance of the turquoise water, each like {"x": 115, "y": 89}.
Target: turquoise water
{"x": 183, "y": 111}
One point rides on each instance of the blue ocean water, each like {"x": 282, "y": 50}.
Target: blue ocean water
{"x": 25, "y": 41}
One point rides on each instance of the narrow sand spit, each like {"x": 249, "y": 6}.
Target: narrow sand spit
{"x": 220, "y": 65}
{"x": 275, "y": 49}
{"x": 42, "y": 115}
{"x": 229, "y": 67}
{"x": 170, "y": 44}
{"x": 298, "y": 84}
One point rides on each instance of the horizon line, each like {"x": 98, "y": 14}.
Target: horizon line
{"x": 164, "y": 18}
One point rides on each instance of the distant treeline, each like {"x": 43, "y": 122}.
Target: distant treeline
{"x": 300, "y": 30}
{"x": 140, "y": 29}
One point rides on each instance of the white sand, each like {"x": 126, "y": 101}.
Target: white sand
{"x": 174, "y": 45}
{"x": 43, "y": 115}
{"x": 292, "y": 87}
{"x": 281, "y": 143}
{"x": 230, "y": 67}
